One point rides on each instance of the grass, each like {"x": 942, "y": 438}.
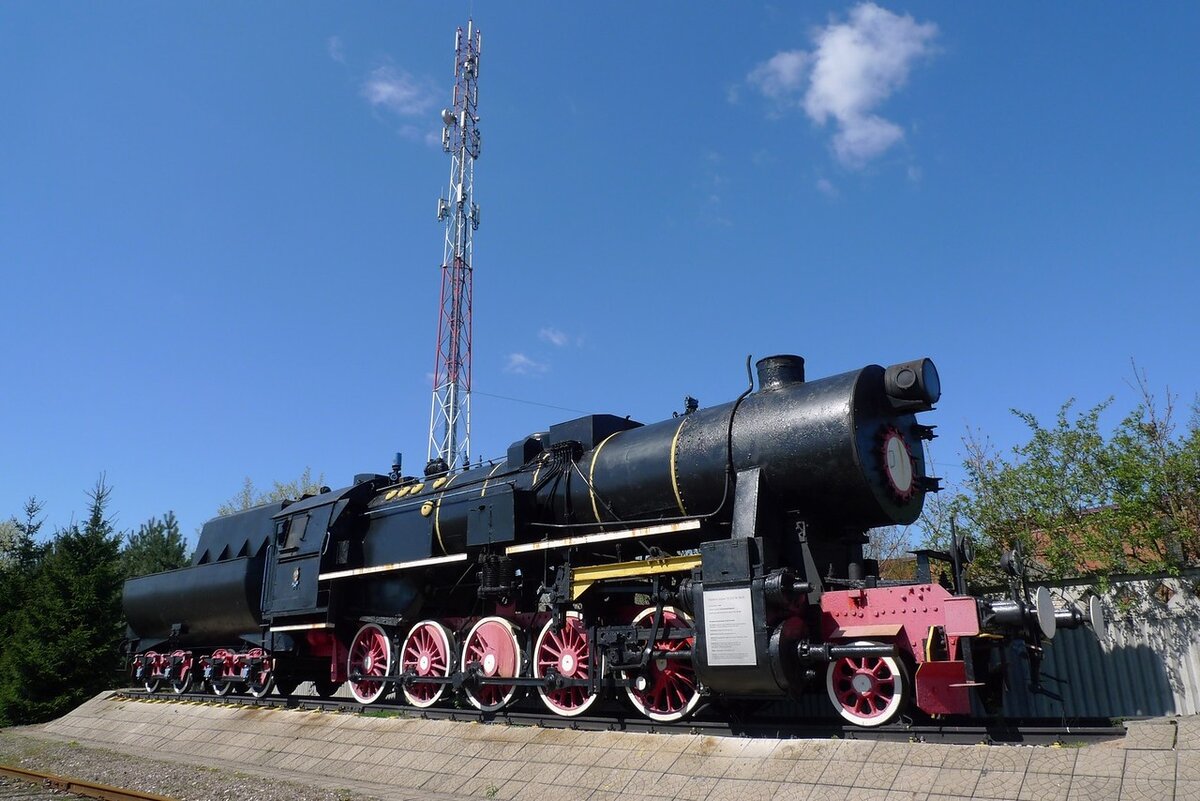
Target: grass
{"x": 380, "y": 713}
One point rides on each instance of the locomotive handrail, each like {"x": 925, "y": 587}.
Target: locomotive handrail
{"x": 690, "y": 524}
{"x": 365, "y": 571}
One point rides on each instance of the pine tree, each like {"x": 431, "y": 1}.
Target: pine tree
{"x": 66, "y": 636}
{"x": 21, "y": 549}
{"x": 157, "y": 545}
{"x": 20, "y": 557}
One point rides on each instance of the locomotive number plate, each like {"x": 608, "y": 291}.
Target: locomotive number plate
{"x": 729, "y": 627}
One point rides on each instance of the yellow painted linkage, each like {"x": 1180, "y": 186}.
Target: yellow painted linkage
{"x": 582, "y": 578}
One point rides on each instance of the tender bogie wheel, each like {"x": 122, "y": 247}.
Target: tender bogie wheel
{"x": 566, "y": 652}
{"x": 492, "y": 645}
{"x": 262, "y": 680}
{"x": 426, "y": 652}
{"x": 326, "y": 688}
{"x": 218, "y": 683}
{"x": 259, "y": 688}
{"x": 667, "y": 690}
{"x": 371, "y": 657}
{"x": 182, "y": 684}
{"x": 868, "y": 692}
{"x": 151, "y": 685}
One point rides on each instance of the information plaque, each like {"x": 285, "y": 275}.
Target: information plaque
{"x": 729, "y": 627}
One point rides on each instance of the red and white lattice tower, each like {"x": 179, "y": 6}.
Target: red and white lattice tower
{"x": 451, "y": 412}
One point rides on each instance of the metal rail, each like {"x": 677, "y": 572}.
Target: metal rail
{"x": 78, "y": 786}
{"x": 1031, "y": 732}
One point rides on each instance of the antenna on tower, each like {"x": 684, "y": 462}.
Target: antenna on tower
{"x": 448, "y": 448}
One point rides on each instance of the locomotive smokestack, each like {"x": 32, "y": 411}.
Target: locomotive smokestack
{"x": 776, "y": 372}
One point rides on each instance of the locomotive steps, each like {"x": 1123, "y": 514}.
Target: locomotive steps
{"x": 411, "y": 758}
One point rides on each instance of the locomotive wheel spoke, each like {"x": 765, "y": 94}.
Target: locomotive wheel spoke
{"x": 492, "y": 645}
{"x": 870, "y": 691}
{"x": 426, "y": 652}
{"x": 567, "y": 653}
{"x": 371, "y": 657}
{"x": 670, "y": 684}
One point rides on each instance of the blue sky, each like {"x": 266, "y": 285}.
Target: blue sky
{"x": 219, "y": 252}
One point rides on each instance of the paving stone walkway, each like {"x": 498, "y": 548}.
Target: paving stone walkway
{"x": 402, "y": 758}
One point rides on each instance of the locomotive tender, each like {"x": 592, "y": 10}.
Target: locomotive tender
{"x": 715, "y": 554}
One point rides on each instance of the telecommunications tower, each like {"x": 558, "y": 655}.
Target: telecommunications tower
{"x": 450, "y": 417}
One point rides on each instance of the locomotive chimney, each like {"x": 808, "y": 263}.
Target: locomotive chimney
{"x": 776, "y": 372}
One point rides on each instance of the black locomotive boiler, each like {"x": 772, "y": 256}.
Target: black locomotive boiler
{"x": 714, "y": 554}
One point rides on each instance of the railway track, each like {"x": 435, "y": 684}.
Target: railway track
{"x": 22, "y": 784}
{"x": 1030, "y": 732}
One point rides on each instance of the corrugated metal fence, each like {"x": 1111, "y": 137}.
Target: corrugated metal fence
{"x": 1150, "y": 664}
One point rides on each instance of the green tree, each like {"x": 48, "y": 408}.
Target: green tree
{"x": 8, "y": 535}
{"x": 20, "y": 555}
{"x": 1083, "y": 501}
{"x": 18, "y": 542}
{"x": 65, "y": 642}
{"x": 1155, "y": 475}
{"x": 249, "y": 496}
{"x": 157, "y": 545}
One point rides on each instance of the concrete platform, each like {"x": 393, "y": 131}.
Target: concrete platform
{"x": 404, "y": 758}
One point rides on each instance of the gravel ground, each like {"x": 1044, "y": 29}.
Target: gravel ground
{"x": 174, "y": 780}
{"x": 17, "y": 790}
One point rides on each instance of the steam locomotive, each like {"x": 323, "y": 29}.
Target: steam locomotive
{"x": 716, "y": 554}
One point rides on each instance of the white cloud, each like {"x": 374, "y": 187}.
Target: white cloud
{"x": 521, "y": 364}
{"x": 429, "y": 137}
{"x": 554, "y": 336}
{"x": 710, "y": 181}
{"x": 826, "y": 187}
{"x": 762, "y": 158}
{"x": 862, "y": 138}
{"x": 336, "y": 50}
{"x": 781, "y": 76}
{"x": 854, "y": 66}
{"x": 399, "y": 92}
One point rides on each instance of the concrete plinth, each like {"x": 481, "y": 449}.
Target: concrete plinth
{"x": 394, "y": 757}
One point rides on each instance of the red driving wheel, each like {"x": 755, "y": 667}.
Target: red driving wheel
{"x": 566, "y": 652}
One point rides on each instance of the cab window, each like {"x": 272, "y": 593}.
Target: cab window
{"x": 295, "y": 533}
